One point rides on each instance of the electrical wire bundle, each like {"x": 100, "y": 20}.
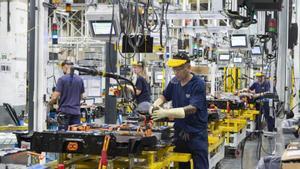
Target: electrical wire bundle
{"x": 118, "y": 78}
{"x": 138, "y": 19}
{"x": 237, "y": 20}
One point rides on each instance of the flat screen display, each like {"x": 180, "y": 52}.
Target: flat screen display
{"x": 256, "y": 50}
{"x": 237, "y": 60}
{"x": 102, "y": 28}
{"x": 224, "y": 57}
{"x": 238, "y": 41}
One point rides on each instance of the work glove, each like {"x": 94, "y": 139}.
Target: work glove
{"x": 155, "y": 105}
{"x": 161, "y": 113}
{"x": 258, "y": 95}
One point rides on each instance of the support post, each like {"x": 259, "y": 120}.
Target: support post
{"x": 110, "y": 101}
{"x": 297, "y": 65}
{"x": 41, "y": 58}
{"x": 30, "y": 64}
{"x": 283, "y": 54}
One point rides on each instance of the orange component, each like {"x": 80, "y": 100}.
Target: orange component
{"x": 72, "y": 146}
{"x": 228, "y": 107}
{"x": 68, "y": 7}
{"x": 148, "y": 132}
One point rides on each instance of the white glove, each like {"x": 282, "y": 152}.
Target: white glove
{"x": 156, "y": 105}
{"x": 258, "y": 95}
{"x": 55, "y": 106}
{"x": 170, "y": 113}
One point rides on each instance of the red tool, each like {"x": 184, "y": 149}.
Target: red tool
{"x": 103, "y": 161}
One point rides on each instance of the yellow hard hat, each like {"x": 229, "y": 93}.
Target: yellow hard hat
{"x": 259, "y": 74}
{"x": 178, "y": 60}
{"x": 138, "y": 63}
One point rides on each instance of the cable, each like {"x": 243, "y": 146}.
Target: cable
{"x": 161, "y": 25}
{"x": 95, "y": 72}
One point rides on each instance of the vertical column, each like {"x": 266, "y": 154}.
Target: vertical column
{"x": 283, "y": 54}
{"x": 198, "y": 5}
{"x": 30, "y": 64}
{"x": 110, "y": 101}
{"x": 297, "y": 64}
{"x": 41, "y": 58}
{"x": 214, "y": 70}
{"x": 234, "y": 6}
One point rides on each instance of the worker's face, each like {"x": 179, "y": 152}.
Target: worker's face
{"x": 137, "y": 69}
{"x": 66, "y": 69}
{"x": 259, "y": 78}
{"x": 182, "y": 72}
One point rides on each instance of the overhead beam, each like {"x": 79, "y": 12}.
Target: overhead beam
{"x": 178, "y": 15}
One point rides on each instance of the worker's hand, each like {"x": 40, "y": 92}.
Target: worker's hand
{"x": 246, "y": 94}
{"x": 160, "y": 114}
{"x": 153, "y": 108}
{"x": 130, "y": 88}
{"x": 48, "y": 108}
{"x": 258, "y": 95}
{"x": 55, "y": 106}
{"x": 177, "y": 113}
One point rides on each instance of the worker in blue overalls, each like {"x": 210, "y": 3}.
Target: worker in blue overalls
{"x": 188, "y": 95}
{"x": 259, "y": 88}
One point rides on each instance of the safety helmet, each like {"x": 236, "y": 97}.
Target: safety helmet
{"x": 178, "y": 60}
{"x": 259, "y": 74}
{"x": 138, "y": 63}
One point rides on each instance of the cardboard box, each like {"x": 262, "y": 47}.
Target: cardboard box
{"x": 203, "y": 70}
{"x": 291, "y": 156}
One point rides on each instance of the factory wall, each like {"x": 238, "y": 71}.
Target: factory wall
{"x": 13, "y": 52}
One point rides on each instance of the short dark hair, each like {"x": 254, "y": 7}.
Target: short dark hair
{"x": 142, "y": 63}
{"x": 182, "y": 56}
{"x": 66, "y": 62}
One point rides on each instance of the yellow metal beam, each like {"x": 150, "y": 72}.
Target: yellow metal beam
{"x": 13, "y": 128}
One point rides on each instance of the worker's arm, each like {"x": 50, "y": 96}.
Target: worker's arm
{"x": 188, "y": 110}
{"x": 54, "y": 98}
{"x": 197, "y": 102}
{"x": 157, "y": 103}
{"x": 252, "y": 88}
{"x": 82, "y": 96}
{"x": 82, "y": 90}
{"x": 129, "y": 87}
{"x": 178, "y": 113}
{"x": 58, "y": 90}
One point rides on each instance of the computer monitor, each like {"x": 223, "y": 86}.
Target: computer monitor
{"x": 224, "y": 57}
{"x": 256, "y": 50}
{"x": 101, "y": 28}
{"x": 238, "y": 41}
{"x": 237, "y": 60}
{"x": 158, "y": 77}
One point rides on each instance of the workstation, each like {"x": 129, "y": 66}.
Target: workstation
{"x": 199, "y": 84}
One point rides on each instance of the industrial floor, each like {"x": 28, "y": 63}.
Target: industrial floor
{"x": 250, "y": 158}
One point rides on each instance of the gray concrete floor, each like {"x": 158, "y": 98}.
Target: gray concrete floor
{"x": 250, "y": 158}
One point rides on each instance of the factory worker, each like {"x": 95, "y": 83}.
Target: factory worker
{"x": 141, "y": 81}
{"x": 188, "y": 95}
{"x": 259, "y": 88}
